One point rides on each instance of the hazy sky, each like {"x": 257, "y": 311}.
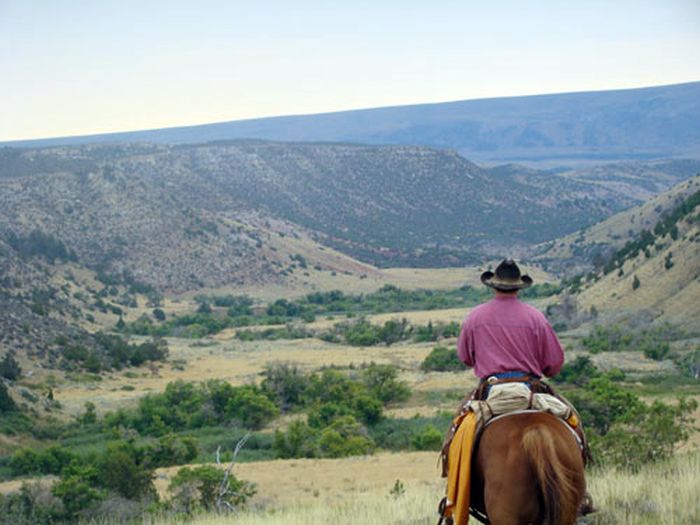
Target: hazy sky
{"x": 71, "y": 67}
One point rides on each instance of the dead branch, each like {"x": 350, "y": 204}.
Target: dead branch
{"x": 225, "y": 486}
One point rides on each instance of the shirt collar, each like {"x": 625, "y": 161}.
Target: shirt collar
{"x": 513, "y": 297}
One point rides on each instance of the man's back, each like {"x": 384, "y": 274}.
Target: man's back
{"x": 505, "y": 335}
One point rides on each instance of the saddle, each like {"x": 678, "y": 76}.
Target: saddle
{"x": 478, "y": 400}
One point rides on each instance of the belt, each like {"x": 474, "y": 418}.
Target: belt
{"x": 510, "y": 375}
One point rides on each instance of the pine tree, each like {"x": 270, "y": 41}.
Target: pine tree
{"x": 635, "y": 283}
{"x": 9, "y": 367}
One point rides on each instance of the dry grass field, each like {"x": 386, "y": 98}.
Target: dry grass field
{"x": 284, "y": 482}
{"x": 241, "y": 362}
{"x": 421, "y": 317}
{"x": 358, "y": 491}
{"x": 665, "y": 494}
{"x": 363, "y": 278}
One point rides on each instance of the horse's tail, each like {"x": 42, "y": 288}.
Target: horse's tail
{"x": 559, "y": 491}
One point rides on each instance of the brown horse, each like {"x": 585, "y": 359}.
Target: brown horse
{"x": 528, "y": 469}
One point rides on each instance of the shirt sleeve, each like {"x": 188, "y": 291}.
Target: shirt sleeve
{"x": 465, "y": 344}
{"x": 552, "y": 353}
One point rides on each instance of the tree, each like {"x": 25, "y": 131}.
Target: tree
{"x": 122, "y": 470}
{"x": 9, "y": 367}
{"x": 284, "y": 384}
{"x": 90, "y": 416}
{"x": 204, "y": 308}
{"x": 382, "y": 381}
{"x": 7, "y": 404}
{"x": 76, "y": 489}
{"x": 635, "y": 283}
{"x": 251, "y": 407}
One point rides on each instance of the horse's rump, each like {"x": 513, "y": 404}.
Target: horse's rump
{"x": 528, "y": 469}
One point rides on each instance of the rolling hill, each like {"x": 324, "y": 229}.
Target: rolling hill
{"x": 584, "y": 250}
{"x": 644, "y": 123}
{"x": 183, "y": 217}
{"x": 90, "y": 234}
{"x": 654, "y": 276}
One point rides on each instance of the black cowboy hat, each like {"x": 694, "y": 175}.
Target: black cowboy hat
{"x": 507, "y": 277}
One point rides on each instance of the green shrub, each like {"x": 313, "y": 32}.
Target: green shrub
{"x": 653, "y": 349}
{"x": 9, "y": 367}
{"x": 361, "y": 333}
{"x": 578, "y": 372}
{"x": 251, "y": 407}
{"x": 652, "y": 342}
{"x": 76, "y": 490}
{"x": 442, "y": 359}
{"x": 199, "y": 488}
{"x": 285, "y": 385}
{"x": 90, "y": 415}
{"x": 300, "y": 441}
{"x": 649, "y": 435}
{"x": 626, "y": 432}
{"x": 435, "y": 332}
{"x": 7, "y": 404}
{"x": 334, "y": 393}
{"x": 194, "y": 405}
{"x": 344, "y": 437}
{"x": 603, "y": 402}
{"x": 405, "y": 434}
{"x": 382, "y": 381}
{"x": 122, "y": 469}
{"x": 33, "y": 504}
{"x": 170, "y": 450}
{"x": 50, "y": 460}
{"x": 38, "y": 243}
{"x": 430, "y": 438}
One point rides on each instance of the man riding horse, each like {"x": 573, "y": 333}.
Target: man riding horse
{"x": 511, "y": 346}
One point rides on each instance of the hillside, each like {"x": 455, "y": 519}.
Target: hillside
{"x": 93, "y": 234}
{"x": 640, "y": 180}
{"x": 564, "y": 128}
{"x": 589, "y": 248}
{"x": 656, "y": 275}
{"x": 184, "y": 217}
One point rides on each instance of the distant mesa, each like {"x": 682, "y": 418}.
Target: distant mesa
{"x": 644, "y": 123}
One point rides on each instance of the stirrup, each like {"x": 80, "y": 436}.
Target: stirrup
{"x": 446, "y": 520}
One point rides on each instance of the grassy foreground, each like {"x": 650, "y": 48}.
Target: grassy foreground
{"x": 665, "y": 494}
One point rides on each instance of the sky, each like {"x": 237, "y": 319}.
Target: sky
{"x": 75, "y": 67}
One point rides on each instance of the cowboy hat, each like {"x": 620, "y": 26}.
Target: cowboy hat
{"x": 506, "y": 277}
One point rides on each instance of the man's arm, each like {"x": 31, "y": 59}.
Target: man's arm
{"x": 552, "y": 353}
{"x": 465, "y": 344}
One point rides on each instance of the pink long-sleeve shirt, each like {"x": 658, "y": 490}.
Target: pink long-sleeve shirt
{"x": 505, "y": 335}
